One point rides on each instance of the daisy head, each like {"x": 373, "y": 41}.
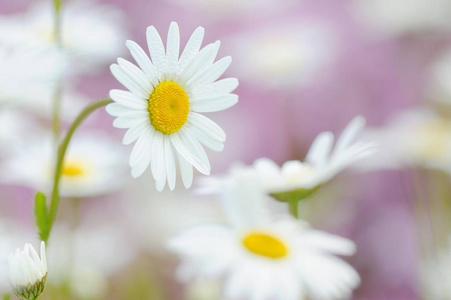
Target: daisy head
{"x": 264, "y": 257}
{"x": 162, "y": 107}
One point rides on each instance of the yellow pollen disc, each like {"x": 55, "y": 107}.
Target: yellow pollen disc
{"x": 168, "y": 107}
{"x": 73, "y": 170}
{"x": 265, "y": 245}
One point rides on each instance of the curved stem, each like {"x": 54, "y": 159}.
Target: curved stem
{"x": 58, "y": 90}
{"x": 62, "y": 152}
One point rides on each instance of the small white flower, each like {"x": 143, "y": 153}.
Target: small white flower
{"x": 92, "y": 166}
{"x": 162, "y": 111}
{"x": 29, "y": 75}
{"x": 322, "y": 163}
{"x": 262, "y": 257}
{"x": 91, "y": 33}
{"x": 28, "y": 272}
{"x": 286, "y": 55}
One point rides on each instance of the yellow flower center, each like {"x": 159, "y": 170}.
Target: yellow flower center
{"x": 265, "y": 245}
{"x": 71, "y": 169}
{"x": 168, "y": 107}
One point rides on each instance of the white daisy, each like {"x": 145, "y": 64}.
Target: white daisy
{"x": 261, "y": 257}
{"x": 92, "y": 166}
{"x": 419, "y": 137}
{"x": 288, "y": 54}
{"x": 29, "y": 75}
{"x": 28, "y": 272}
{"x": 92, "y": 33}
{"x": 321, "y": 164}
{"x": 394, "y": 17}
{"x": 162, "y": 111}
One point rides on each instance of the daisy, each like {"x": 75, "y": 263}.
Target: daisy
{"x": 92, "y": 33}
{"x": 289, "y": 54}
{"x": 322, "y": 163}
{"x": 162, "y": 109}
{"x": 28, "y": 272}
{"x": 263, "y": 257}
{"x": 92, "y": 166}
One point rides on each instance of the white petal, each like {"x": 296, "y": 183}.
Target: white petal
{"x": 349, "y": 133}
{"x": 319, "y": 151}
{"x": 142, "y": 163}
{"x": 206, "y": 140}
{"x": 191, "y": 48}
{"x": 159, "y": 184}
{"x": 157, "y": 165}
{"x": 212, "y": 104}
{"x": 210, "y": 74}
{"x": 172, "y": 47}
{"x": 156, "y": 48}
{"x": 129, "y": 81}
{"x": 191, "y": 150}
{"x": 136, "y": 73}
{"x": 186, "y": 171}
{"x": 218, "y": 88}
{"x": 169, "y": 163}
{"x": 115, "y": 109}
{"x": 128, "y": 99}
{"x": 135, "y": 132}
{"x": 143, "y": 61}
{"x": 202, "y": 60}
{"x": 141, "y": 148}
{"x": 130, "y": 120}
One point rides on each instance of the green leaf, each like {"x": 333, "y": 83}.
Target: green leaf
{"x": 42, "y": 216}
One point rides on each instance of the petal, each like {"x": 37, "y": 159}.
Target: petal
{"x": 136, "y": 73}
{"x": 159, "y": 184}
{"x": 218, "y": 88}
{"x": 349, "y": 133}
{"x": 128, "y": 99}
{"x": 186, "y": 171}
{"x": 191, "y": 48}
{"x": 143, "y": 61}
{"x": 129, "y": 81}
{"x": 210, "y": 74}
{"x": 130, "y": 120}
{"x": 143, "y": 162}
{"x": 191, "y": 150}
{"x": 116, "y": 110}
{"x": 206, "y": 140}
{"x": 135, "y": 132}
{"x": 215, "y": 103}
{"x": 208, "y": 126}
{"x": 172, "y": 47}
{"x": 158, "y": 165}
{"x": 156, "y": 48}
{"x": 202, "y": 60}
{"x": 319, "y": 151}
{"x": 141, "y": 148}
{"x": 169, "y": 160}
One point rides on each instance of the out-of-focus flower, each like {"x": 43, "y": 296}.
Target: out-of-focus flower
{"x": 440, "y": 82}
{"x": 162, "y": 109}
{"x": 29, "y": 75}
{"x": 394, "y": 17}
{"x": 321, "y": 164}
{"x": 92, "y": 166}
{"x": 263, "y": 257}
{"x": 28, "y": 272}
{"x": 288, "y": 54}
{"x": 91, "y": 33}
{"x": 436, "y": 275}
{"x": 418, "y": 137}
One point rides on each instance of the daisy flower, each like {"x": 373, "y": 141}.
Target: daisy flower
{"x": 92, "y": 166}
{"x": 28, "y": 272}
{"x": 162, "y": 109}
{"x": 322, "y": 163}
{"x": 263, "y": 257}
{"x": 289, "y": 54}
{"x": 91, "y": 33}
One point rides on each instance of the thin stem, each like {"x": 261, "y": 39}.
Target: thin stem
{"x": 58, "y": 90}
{"x": 62, "y": 152}
{"x": 293, "y": 206}
{"x": 57, "y": 21}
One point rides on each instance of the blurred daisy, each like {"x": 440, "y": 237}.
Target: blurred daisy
{"x": 92, "y": 166}
{"x": 92, "y": 33}
{"x": 28, "y": 272}
{"x": 418, "y": 137}
{"x": 285, "y": 55}
{"x": 394, "y": 17}
{"x": 322, "y": 163}
{"x": 162, "y": 109}
{"x": 261, "y": 257}
{"x": 29, "y": 75}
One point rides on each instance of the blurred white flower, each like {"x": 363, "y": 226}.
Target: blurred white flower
{"x": 28, "y": 272}
{"x": 92, "y": 33}
{"x": 321, "y": 164}
{"x": 29, "y": 75}
{"x": 418, "y": 137}
{"x": 436, "y": 275}
{"x": 440, "y": 79}
{"x": 162, "y": 109}
{"x": 262, "y": 257}
{"x": 288, "y": 54}
{"x": 92, "y": 167}
{"x": 395, "y": 17}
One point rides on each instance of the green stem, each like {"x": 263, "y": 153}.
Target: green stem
{"x": 57, "y": 21}
{"x": 54, "y": 203}
{"x": 58, "y": 91}
{"x": 293, "y": 206}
